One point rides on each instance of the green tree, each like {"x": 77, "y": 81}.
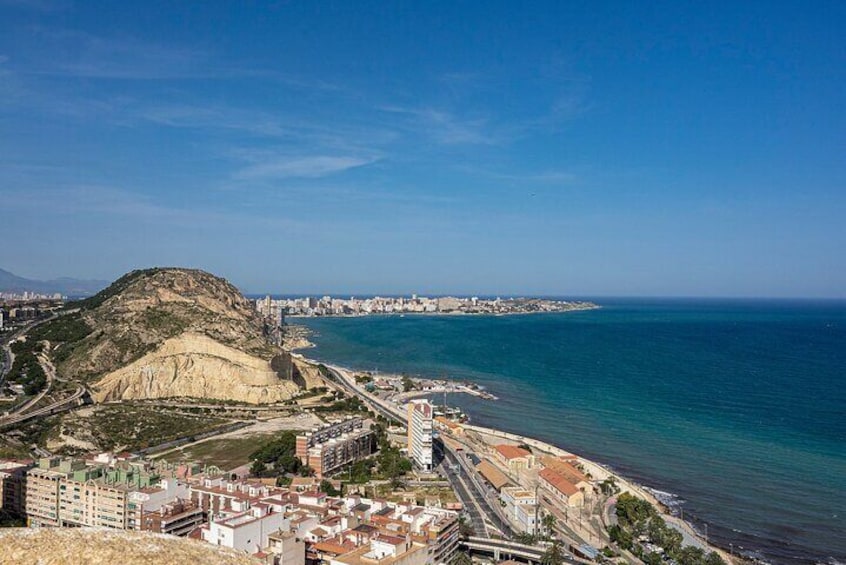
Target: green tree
{"x": 548, "y": 524}
{"x": 621, "y": 536}
{"x": 461, "y": 558}
{"x": 258, "y": 468}
{"x": 465, "y": 529}
{"x": 653, "y": 558}
{"x": 553, "y": 555}
{"x": 609, "y": 486}
{"x": 525, "y": 538}
{"x": 713, "y": 558}
{"x": 407, "y": 384}
{"x": 328, "y": 488}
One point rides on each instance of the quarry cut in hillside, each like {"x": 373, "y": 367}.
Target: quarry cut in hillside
{"x": 164, "y": 333}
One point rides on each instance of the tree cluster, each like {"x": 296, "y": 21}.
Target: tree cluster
{"x": 407, "y": 384}
{"x": 348, "y": 404}
{"x": 638, "y": 518}
{"x": 26, "y": 370}
{"x": 277, "y": 457}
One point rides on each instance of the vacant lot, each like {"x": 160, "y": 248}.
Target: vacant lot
{"x": 134, "y": 427}
{"x": 226, "y": 453}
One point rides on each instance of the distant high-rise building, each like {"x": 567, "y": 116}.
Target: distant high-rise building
{"x": 420, "y": 414}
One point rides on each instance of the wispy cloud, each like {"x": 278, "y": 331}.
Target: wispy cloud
{"x": 82, "y": 54}
{"x": 445, "y": 127}
{"x": 216, "y": 117}
{"x": 285, "y": 166}
{"x": 77, "y": 53}
{"x": 79, "y": 200}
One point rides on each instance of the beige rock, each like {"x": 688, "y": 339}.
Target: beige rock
{"x": 195, "y": 365}
{"x": 94, "y": 546}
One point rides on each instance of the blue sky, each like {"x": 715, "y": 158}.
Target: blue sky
{"x": 576, "y": 148}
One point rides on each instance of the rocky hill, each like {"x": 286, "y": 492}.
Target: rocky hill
{"x": 173, "y": 332}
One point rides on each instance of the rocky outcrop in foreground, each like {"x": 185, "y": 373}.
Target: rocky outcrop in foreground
{"x": 60, "y": 546}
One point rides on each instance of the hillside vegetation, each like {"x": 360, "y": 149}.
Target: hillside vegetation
{"x": 168, "y": 332}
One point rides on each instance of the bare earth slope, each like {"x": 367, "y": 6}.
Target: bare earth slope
{"x": 162, "y": 333}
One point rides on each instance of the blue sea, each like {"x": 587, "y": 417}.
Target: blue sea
{"x": 736, "y": 407}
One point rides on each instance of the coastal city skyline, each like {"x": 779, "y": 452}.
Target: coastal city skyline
{"x": 558, "y": 150}
{"x": 422, "y": 283}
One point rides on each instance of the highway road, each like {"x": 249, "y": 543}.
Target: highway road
{"x": 467, "y": 485}
{"x": 485, "y": 498}
{"x": 471, "y": 509}
{"x": 389, "y": 412}
{"x": 59, "y": 406}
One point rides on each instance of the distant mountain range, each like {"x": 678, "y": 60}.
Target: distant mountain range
{"x": 10, "y": 282}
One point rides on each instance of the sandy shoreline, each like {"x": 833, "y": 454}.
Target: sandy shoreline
{"x": 598, "y": 471}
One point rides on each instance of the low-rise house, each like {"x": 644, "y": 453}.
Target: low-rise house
{"x": 492, "y": 474}
{"x": 178, "y": 518}
{"x": 514, "y": 458}
{"x": 560, "y": 488}
{"x": 216, "y": 495}
{"x": 284, "y": 548}
{"x": 521, "y": 507}
{"x": 385, "y": 550}
{"x": 245, "y": 531}
{"x": 567, "y": 469}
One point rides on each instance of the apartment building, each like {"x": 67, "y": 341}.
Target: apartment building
{"x": 420, "y": 413}
{"x": 72, "y": 492}
{"x": 42, "y": 497}
{"x": 166, "y": 508}
{"x": 330, "y": 448}
{"x": 12, "y": 486}
{"x": 441, "y": 534}
{"x": 218, "y": 496}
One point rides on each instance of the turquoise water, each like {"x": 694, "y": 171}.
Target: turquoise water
{"x": 739, "y": 408}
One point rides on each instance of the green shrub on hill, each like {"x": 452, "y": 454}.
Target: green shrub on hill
{"x": 113, "y": 289}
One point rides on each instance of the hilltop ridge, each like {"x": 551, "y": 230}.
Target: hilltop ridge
{"x": 170, "y": 332}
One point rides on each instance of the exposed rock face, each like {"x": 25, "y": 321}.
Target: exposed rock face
{"x": 176, "y": 333}
{"x": 195, "y": 365}
{"x": 307, "y": 375}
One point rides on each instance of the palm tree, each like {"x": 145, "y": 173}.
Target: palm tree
{"x": 548, "y": 524}
{"x": 461, "y": 558}
{"x": 553, "y": 555}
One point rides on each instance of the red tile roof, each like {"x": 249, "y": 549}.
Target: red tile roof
{"x": 511, "y": 451}
{"x": 558, "y": 482}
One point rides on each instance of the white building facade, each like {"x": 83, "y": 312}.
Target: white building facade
{"x": 420, "y": 414}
